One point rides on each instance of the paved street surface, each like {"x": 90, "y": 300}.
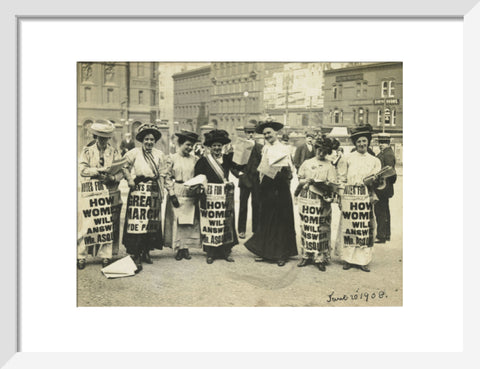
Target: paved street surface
{"x": 248, "y": 283}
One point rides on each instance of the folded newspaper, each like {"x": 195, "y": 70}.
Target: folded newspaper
{"x": 200, "y": 179}
{"x": 242, "y": 150}
{"x": 124, "y": 267}
{"x": 380, "y": 177}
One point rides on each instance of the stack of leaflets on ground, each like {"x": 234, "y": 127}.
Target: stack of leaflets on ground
{"x": 121, "y": 268}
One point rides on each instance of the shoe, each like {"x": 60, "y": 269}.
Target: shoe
{"x": 259, "y": 259}
{"x": 347, "y": 266}
{"x": 138, "y": 262}
{"x": 387, "y": 238}
{"x": 241, "y": 235}
{"x": 380, "y": 240}
{"x": 303, "y": 263}
{"x": 81, "y": 264}
{"x": 229, "y": 259}
{"x": 146, "y": 258}
{"x": 209, "y": 260}
{"x": 179, "y": 255}
{"x": 105, "y": 262}
{"x": 321, "y": 267}
{"x": 186, "y": 254}
{"x": 364, "y": 268}
{"x": 281, "y": 263}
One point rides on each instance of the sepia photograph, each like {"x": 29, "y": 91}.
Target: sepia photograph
{"x": 239, "y": 184}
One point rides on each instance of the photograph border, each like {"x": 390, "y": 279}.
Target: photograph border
{"x": 11, "y": 229}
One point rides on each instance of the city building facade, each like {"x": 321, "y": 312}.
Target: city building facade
{"x": 370, "y": 93}
{"x": 166, "y": 89}
{"x": 237, "y": 94}
{"x": 126, "y": 94}
{"x": 293, "y": 94}
{"x": 191, "y": 102}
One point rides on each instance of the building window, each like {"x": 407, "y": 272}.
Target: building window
{"x": 335, "y": 92}
{"x": 366, "y": 115}
{"x": 391, "y": 88}
{"x": 87, "y": 97}
{"x": 110, "y": 95}
{"x": 354, "y": 116}
{"x": 387, "y": 117}
{"x": 140, "y": 97}
{"x": 394, "y": 117}
{"x": 388, "y": 88}
{"x": 361, "y": 116}
{"x": 379, "y": 117}
{"x": 361, "y": 89}
{"x": 384, "y": 88}
{"x": 336, "y": 117}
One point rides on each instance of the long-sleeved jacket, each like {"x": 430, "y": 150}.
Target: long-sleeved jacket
{"x": 387, "y": 157}
{"x": 249, "y": 178}
{"x": 302, "y": 154}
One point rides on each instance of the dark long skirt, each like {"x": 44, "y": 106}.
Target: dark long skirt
{"x": 137, "y": 243}
{"x": 275, "y": 235}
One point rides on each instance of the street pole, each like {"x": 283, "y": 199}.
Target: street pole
{"x": 245, "y": 95}
{"x": 384, "y": 114}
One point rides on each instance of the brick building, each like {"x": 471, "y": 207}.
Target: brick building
{"x": 370, "y": 93}
{"x": 124, "y": 93}
{"x": 191, "y": 102}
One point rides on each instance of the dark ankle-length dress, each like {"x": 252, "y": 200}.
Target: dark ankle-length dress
{"x": 275, "y": 235}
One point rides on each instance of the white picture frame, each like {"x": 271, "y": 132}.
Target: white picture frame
{"x": 467, "y": 11}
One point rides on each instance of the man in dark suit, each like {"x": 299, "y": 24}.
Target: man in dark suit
{"x": 305, "y": 151}
{"x": 382, "y": 208}
{"x": 249, "y": 183}
{"x": 127, "y": 144}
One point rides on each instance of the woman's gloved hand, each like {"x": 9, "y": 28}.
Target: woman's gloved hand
{"x": 174, "y": 201}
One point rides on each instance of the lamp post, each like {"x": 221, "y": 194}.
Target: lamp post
{"x": 245, "y": 95}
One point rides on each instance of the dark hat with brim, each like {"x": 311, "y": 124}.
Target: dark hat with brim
{"x": 148, "y": 128}
{"x": 216, "y": 136}
{"x": 384, "y": 138}
{"x": 102, "y": 129}
{"x": 361, "y": 131}
{"x": 268, "y": 124}
{"x": 188, "y": 135}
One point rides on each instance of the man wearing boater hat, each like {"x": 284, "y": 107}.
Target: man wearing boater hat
{"x": 382, "y": 207}
{"x": 249, "y": 183}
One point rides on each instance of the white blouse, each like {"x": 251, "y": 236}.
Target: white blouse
{"x": 354, "y": 167}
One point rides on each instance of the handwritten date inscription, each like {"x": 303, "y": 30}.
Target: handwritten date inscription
{"x": 364, "y": 296}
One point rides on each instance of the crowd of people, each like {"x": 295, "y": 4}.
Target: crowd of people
{"x": 326, "y": 177}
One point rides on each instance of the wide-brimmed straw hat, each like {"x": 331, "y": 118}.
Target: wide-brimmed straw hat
{"x": 217, "y": 135}
{"x": 250, "y": 126}
{"x": 365, "y": 131}
{"x": 146, "y": 129}
{"x": 384, "y": 138}
{"x": 102, "y": 128}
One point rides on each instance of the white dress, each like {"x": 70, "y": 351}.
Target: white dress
{"x": 352, "y": 169}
